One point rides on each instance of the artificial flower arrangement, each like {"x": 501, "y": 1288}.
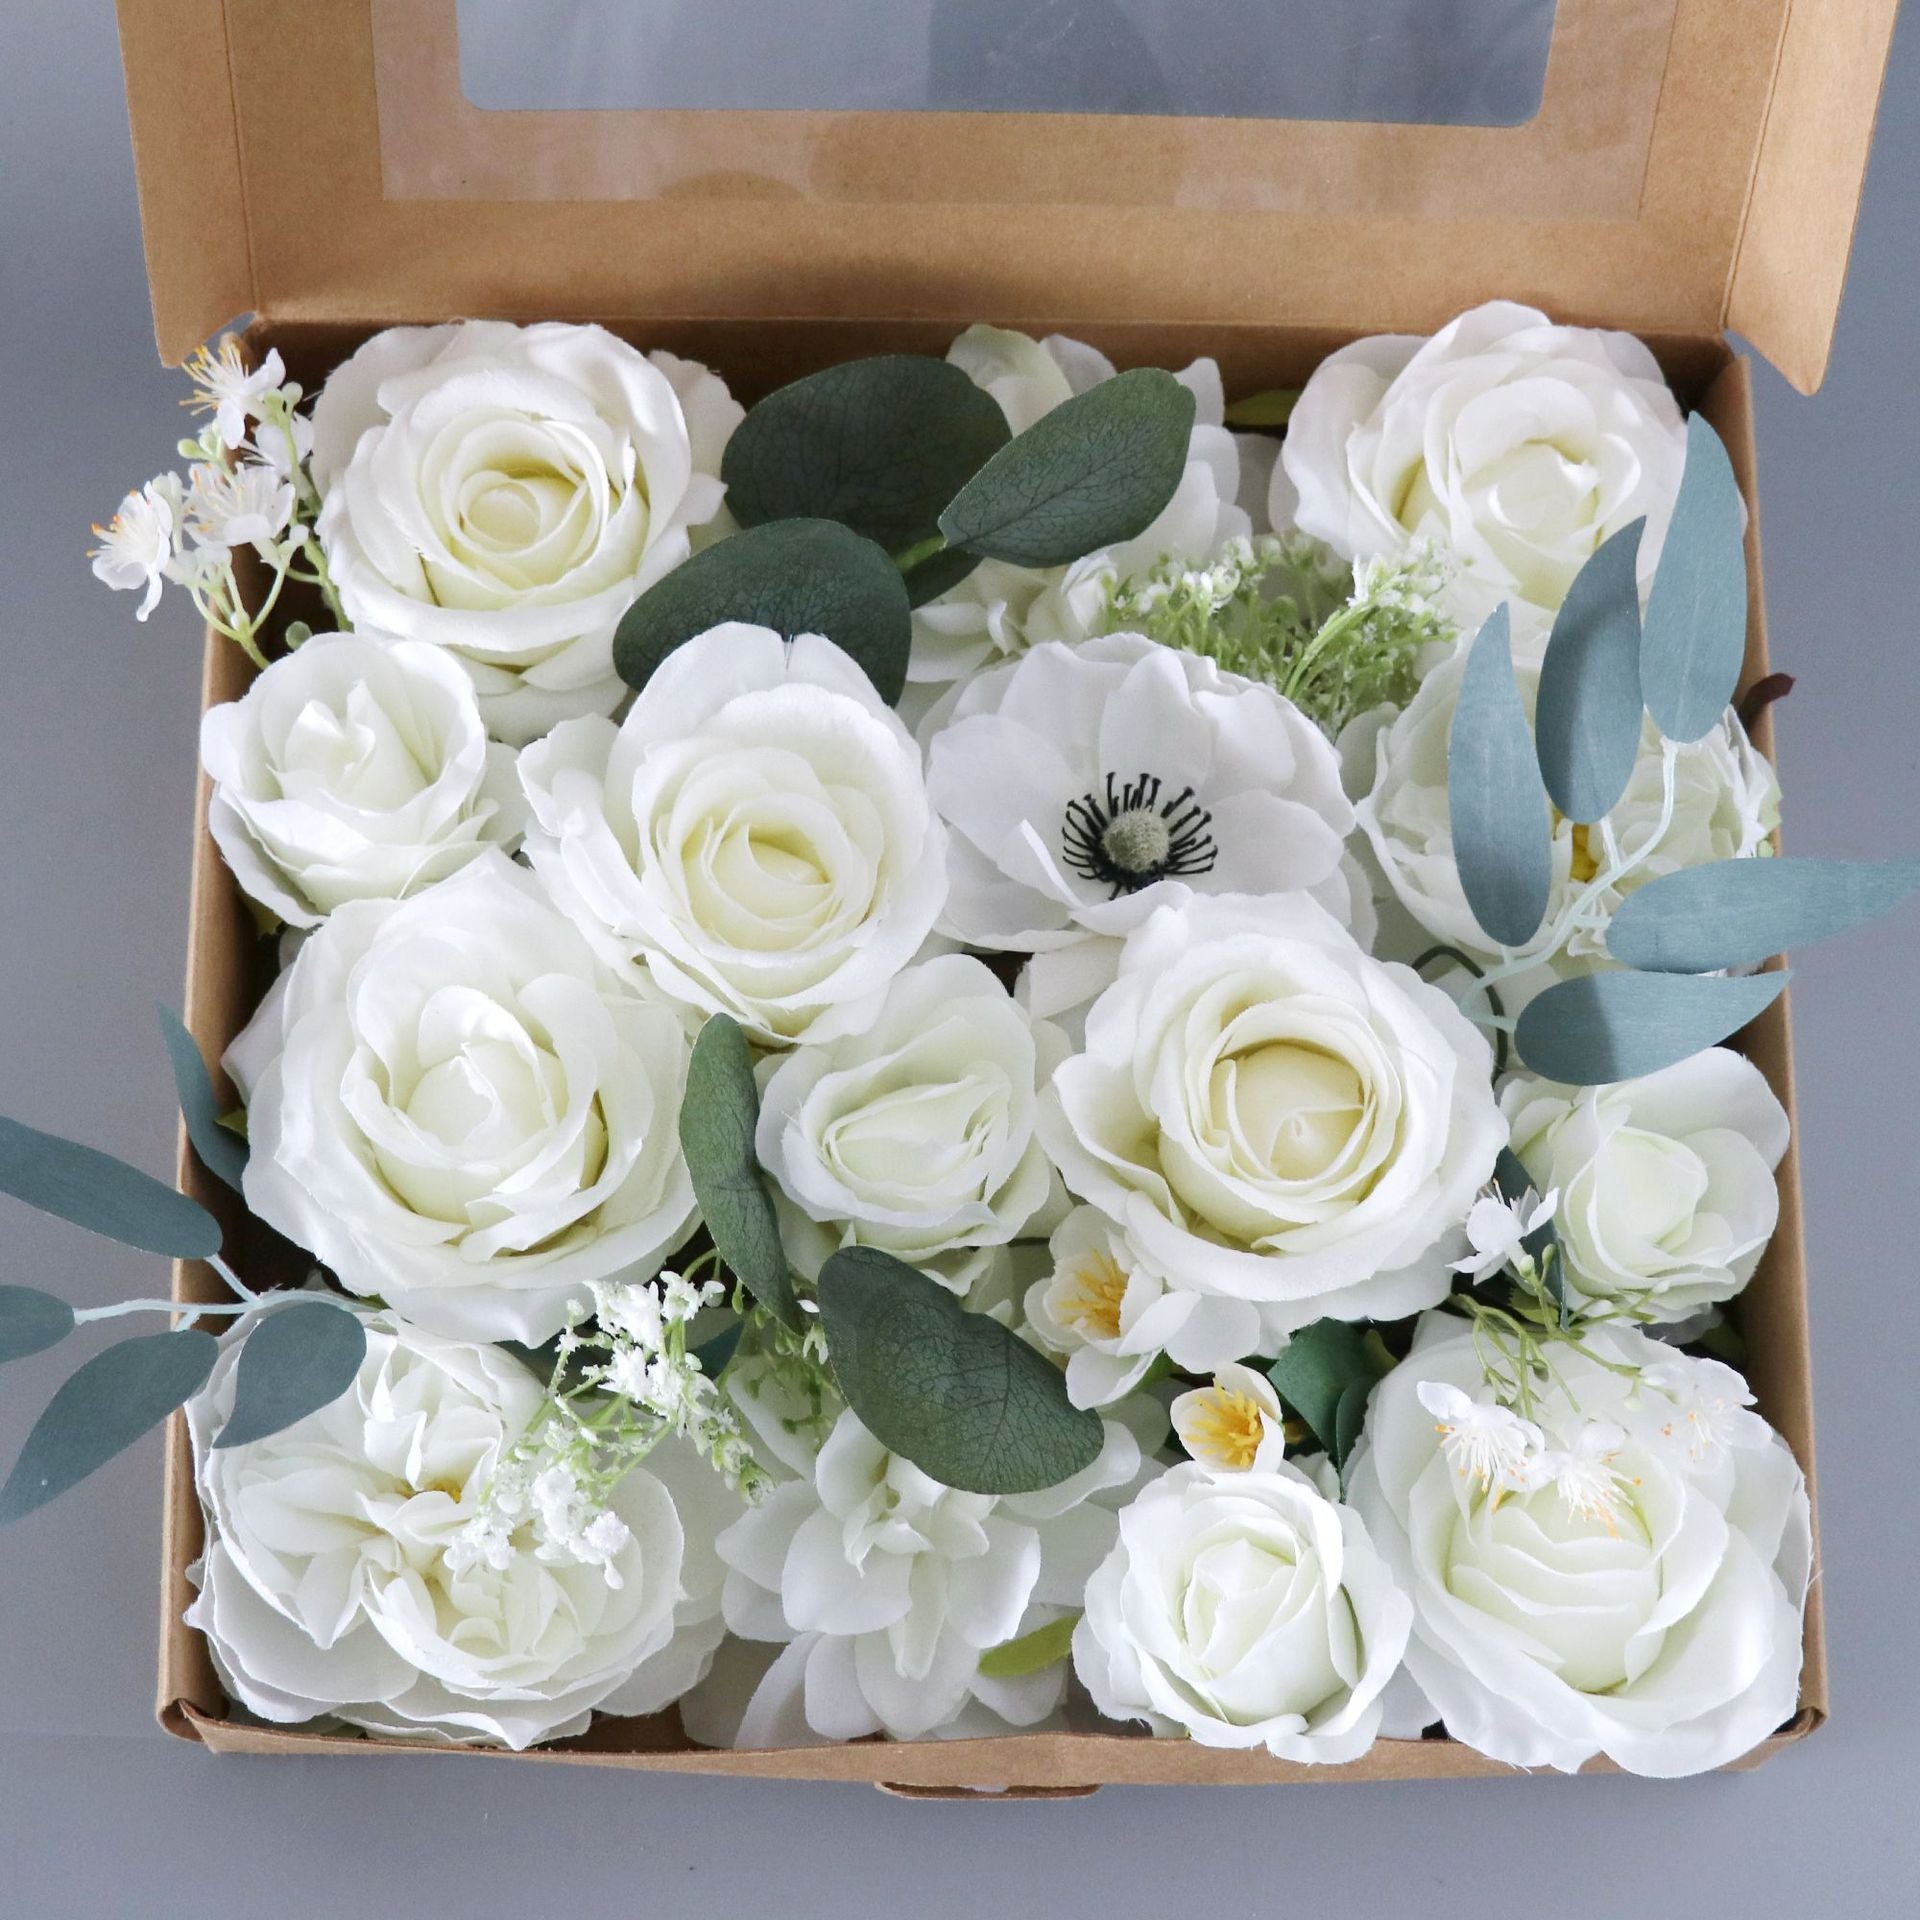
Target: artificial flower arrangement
{"x": 976, "y": 1051}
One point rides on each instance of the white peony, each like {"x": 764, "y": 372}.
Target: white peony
{"x": 457, "y": 1108}
{"x": 1515, "y": 445}
{"x": 1000, "y": 609}
{"x": 756, "y": 834}
{"x": 1247, "y": 1610}
{"x": 1666, "y": 1184}
{"x": 355, "y": 769}
{"x": 1622, "y": 1572}
{"x": 917, "y": 1135}
{"x": 1275, "y": 1120}
{"x": 1085, "y": 786}
{"x": 508, "y": 492}
{"x": 332, "y": 1585}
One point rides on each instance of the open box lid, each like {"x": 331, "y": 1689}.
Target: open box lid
{"x": 1669, "y": 166}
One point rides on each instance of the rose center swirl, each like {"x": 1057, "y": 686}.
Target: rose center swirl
{"x": 1125, "y": 836}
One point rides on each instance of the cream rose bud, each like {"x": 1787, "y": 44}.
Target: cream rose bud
{"x": 917, "y": 1135}
{"x": 1516, "y": 445}
{"x": 457, "y": 1108}
{"x": 1666, "y": 1184}
{"x": 1245, "y": 1609}
{"x": 1275, "y": 1120}
{"x": 755, "y": 834}
{"x": 1620, "y": 1573}
{"x": 1085, "y": 786}
{"x": 355, "y": 768}
{"x": 330, "y": 1584}
{"x": 508, "y": 492}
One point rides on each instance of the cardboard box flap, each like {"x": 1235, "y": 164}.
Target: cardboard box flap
{"x": 1665, "y": 165}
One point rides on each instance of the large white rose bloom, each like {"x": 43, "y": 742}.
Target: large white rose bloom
{"x": 331, "y": 1584}
{"x": 1666, "y": 1184}
{"x": 916, "y": 1136}
{"x": 1515, "y": 445}
{"x": 755, "y": 834}
{"x": 1276, "y": 1121}
{"x": 458, "y": 1108}
{"x": 355, "y": 768}
{"x": 508, "y": 492}
{"x": 881, "y": 1589}
{"x": 1000, "y": 609}
{"x": 1621, "y": 1572}
{"x": 1245, "y": 1609}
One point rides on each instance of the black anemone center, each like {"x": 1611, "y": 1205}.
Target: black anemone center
{"x": 1128, "y": 837}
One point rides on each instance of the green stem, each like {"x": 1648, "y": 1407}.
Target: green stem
{"x": 910, "y": 557}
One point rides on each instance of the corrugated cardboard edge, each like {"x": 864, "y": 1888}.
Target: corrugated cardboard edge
{"x": 1790, "y": 267}
{"x": 1774, "y": 1309}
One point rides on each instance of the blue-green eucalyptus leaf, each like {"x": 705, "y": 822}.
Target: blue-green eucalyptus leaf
{"x": 31, "y": 1322}
{"x": 1695, "y": 634}
{"x": 102, "y": 1194}
{"x": 1586, "y": 725}
{"x": 296, "y": 1360}
{"x": 1618, "y": 1026}
{"x": 222, "y": 1151}
{"x": 1502, "y": 837}
{"x": 1735, "y": 913}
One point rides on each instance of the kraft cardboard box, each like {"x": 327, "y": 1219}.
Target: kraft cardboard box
{"x": 1692, "y": 165}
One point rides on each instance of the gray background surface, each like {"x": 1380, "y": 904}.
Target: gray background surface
{"x": 101, "y": 1815}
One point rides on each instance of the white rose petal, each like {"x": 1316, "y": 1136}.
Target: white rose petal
{"x": 458, "y": 1108}
{"x": 355, "y": 768}
{"x": 508, "y": 492}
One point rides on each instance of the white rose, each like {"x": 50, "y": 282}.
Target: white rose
{"x": 457, "y": 1108}
{"x": 1621, "y": 1573}
{"x": 1667, "y": 1194}
{"x": 917, "y": 1135}
{"x": 330, "y": 1586}
{"x": 1086, "y": 786}
{"x": 1001, "y": 609}
{"x": 508, "y": 492}
{"x": 1725, "y": 805}
{"x": 882, "y": 1588}
{"x": 355, "y": 769}
{"x": 1516, "y": 445}
{"x": 1245, "y": 1609}
{"x": 1275, "y": 1119}
{"x": 756, "y": 834}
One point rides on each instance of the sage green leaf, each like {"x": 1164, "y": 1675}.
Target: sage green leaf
{"x": 1734, "y": 913}
{"x": 296, "y": 1360}
{"x": 717, "y": 1122}
{"x": 958, "y": 1394}
{"x": 1271, "y": 408}
{"x": 1586, "y": 726}
{"x": 795, "y": 576}
{"x": 1321, "y": 1366}
{"x": 102, "y": 1194}
{"x": 1695, "y": 635}
{"x": 1502, "y": 838}
{"x": 222, "y": 1151}
{"x": 103, "y": 1409}
{"x": 879, "y": 445}
{"x": 1097, "y": 470}
{"x": 1514, "y": 1182}
{"x": 1618, "y": 1026}
{"x": 1015, "y": 1659}
{"x": 1349, "y": 1420}
{"x": 31, "y": 1321}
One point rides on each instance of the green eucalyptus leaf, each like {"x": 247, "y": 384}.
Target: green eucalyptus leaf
{"x": 1695, "y": 635}
{"x": 1618, "y": 1026}
{"x": 1349, "y": 1420}
{"x": 102, "y": 1194}
{"x": 1098, "y": 469}
{"x": 1502, "y": 838}
{"x": 1586, "y": 726}
{"x": 1322, "y": 1365}
{"x": 102, "y": 1410}
{"x": 795, "y": 576}
{"x": 879, "y": 445}
{"x": 1271, "y": 408}
{"x": 1735, "y": 913}
{"x": 717, "y": 1122}
{"x": 31, "y": 1321}
{"x": 296, "y": 1360}
{"x": 958, "y": 1394}
{"x": 222, "y": 1151}
{"x": 938, "y": 573}
{"x": 1043, "y": 1647}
